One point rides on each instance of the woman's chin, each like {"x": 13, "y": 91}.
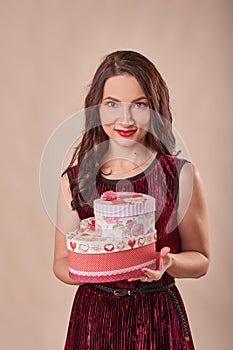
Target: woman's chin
{"x": 125, "y": 142}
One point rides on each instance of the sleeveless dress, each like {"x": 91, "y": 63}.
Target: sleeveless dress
{"x": 103, "y": 321}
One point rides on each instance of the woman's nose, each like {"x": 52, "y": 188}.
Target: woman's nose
{"x": 126, "y": 115}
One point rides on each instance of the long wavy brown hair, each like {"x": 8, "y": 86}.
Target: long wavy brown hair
{"x": 94, "y": 143}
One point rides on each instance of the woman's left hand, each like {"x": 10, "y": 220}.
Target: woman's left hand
{"x": 163, "y": 262}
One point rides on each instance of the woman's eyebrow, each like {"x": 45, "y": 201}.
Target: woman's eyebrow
{"x": 111, "y": 98}
{"x": 139, "y": 99}
{"x": 116, "y": 99}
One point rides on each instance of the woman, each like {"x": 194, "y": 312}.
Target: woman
{"x": 128, "y": 145}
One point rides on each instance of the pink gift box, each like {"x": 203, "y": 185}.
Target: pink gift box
{"x": 118, "y": 243}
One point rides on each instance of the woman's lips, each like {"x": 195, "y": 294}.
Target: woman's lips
{"x": 125, "y": 133}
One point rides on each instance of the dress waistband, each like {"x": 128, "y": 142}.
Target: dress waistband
{"x": 148, "y": 289}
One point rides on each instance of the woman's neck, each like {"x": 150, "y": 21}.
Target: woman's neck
{"x": 121, "y": 162}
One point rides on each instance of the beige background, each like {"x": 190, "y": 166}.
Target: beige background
{"x": 49, "y": 52}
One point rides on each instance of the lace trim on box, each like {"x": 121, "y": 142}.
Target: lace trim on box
{"x": 113, "y": 272}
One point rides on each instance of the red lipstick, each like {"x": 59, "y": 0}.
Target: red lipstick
{"x": 125, "y": 133}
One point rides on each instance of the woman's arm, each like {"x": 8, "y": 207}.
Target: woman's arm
{"x": 67, "y": 221}
{"x": 193, "y": 260}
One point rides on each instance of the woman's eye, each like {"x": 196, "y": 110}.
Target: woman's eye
{"x": 112, "y": 104}
{"x": 140, "y": 105}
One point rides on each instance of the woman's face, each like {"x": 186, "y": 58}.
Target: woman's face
{"x": 124, "y": 110}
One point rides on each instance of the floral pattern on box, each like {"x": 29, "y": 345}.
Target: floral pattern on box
{"x": 85, "y": 240}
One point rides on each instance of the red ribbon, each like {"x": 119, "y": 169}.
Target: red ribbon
{"x": 111, "y": 196}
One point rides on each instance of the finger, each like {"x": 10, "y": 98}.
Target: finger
{"x": 164, "y": 251}
{"x": 152, "y": 275}
{"x": 145, "y": 279}
{"x": 142, "y": 278}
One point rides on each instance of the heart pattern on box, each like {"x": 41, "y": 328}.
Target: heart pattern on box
{"x": 109, "y": 247}
{"x": 73, "y": 245}
{"x": 83, "y": 248}
{"x": 132, "y": 243}
{"x": 141, "y": 241}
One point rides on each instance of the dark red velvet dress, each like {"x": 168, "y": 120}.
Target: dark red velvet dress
{"x": 103, "y": 321}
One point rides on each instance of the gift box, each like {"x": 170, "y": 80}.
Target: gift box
{"x": 117, "y": 243}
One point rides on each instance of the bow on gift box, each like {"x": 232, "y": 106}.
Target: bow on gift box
{"x": 109, "y": 196}
{"x": 115, "y": 198}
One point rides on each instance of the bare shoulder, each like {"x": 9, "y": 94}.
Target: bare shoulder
{"x": 191, "y": 185}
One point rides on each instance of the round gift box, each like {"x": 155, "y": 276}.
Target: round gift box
{"x": 103, "y": 260}
{"x": 118, "y": 242}
{"x": 123, "y": 204}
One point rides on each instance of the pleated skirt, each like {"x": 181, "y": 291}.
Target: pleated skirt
{"x": 103, "y": 321}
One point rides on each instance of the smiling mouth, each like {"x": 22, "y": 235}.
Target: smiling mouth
{"x": 125, "y": 133}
